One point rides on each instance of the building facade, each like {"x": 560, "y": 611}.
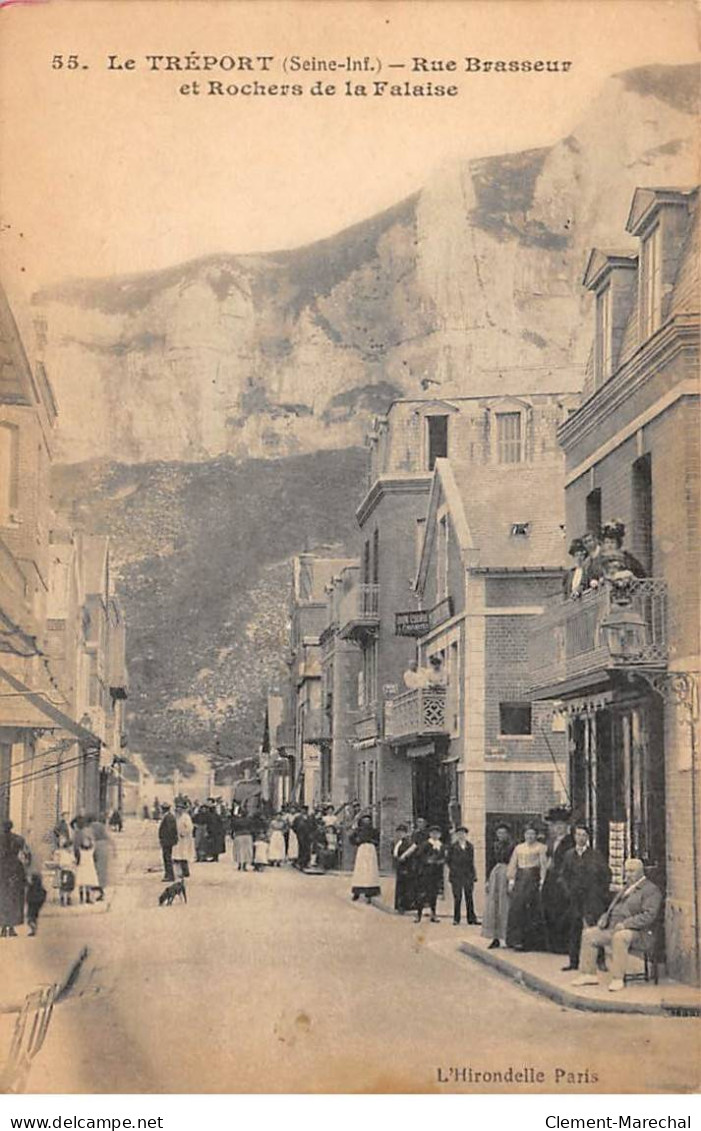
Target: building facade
{"x": 624, "y": 674}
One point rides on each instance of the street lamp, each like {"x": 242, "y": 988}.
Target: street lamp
{"x": 624, "y": 631}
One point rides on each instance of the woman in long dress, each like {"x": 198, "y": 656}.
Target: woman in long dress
{"x": 12, "y": 881}
{"x": 292, "y": 840}
{"x": 526, "y": 871}
{"x": 496, "y": 912}
{"x": 243, "y": 841}
{"x": 366, "y": 874}
{"x": 184, "y": 851}
{"x": 102, "y": 856}
{"x": 276, "y": 845}
{"x": 86, "y": 877}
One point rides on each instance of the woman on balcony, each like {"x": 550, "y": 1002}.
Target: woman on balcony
{"x": 366, "y": 873}
{"x": 526, "y": 874}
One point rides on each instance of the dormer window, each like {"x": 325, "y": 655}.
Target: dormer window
{"x": 437, "y": 447}
{"x": 509, "y": 437}
{"x": 604, "y": 335}
{"x": 651, "y": 283}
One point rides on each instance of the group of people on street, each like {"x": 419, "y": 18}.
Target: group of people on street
{"x": 557, "y": 897}
{"x": 194, "y": 832}
{"x": 81, "y": 861}
{"x": 420, "y": 858}
{"x": 600, "y": 559}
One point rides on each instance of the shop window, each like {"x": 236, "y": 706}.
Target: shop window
{"x": 515, "y": 719}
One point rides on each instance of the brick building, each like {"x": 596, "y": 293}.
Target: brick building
{"x": 471, "y": 746}
{"x": 340, "y": 673}
{"x": 627, "y": 678}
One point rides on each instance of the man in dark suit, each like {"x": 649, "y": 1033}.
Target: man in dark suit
{"x": 555, "y": 897}
{"x": 168, "y": 837}
{"x": 430, "y": 859}
{"x": 585, "y": 877}
{"x": 461, "y": 873}
{"x": 630, "y": 918}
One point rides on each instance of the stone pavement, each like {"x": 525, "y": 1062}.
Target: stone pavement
{"x": 543, "y": 974}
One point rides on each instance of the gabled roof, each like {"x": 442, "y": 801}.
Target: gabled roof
{"x": 646, "y": 202}
{"x": 601, "y": 261}
{"x": 485, "y": 501}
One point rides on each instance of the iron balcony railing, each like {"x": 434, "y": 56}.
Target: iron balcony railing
{"x": 359, "y": 611}
{"x": 612, "y": 627}
{"x": 416, "y": 714}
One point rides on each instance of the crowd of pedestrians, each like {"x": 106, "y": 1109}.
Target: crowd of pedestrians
{"x": 79, "y": 867}
{"x": 196, "y": 832}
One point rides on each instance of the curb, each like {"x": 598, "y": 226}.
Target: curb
{"x": 560, "y": 994}
{"x": 63, "y": 988}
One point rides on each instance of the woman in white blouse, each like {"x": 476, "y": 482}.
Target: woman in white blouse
{"x": 526, "y": 873}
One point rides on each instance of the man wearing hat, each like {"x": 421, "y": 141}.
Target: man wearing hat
{"x": 429, "y": 873}
{"x": 168, "y": 837}
{"x": 586, "y": 878}
{"x": 556, "y": 902}
{"x": 461, "y": 873}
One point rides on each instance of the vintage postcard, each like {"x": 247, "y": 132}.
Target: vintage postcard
{"x": 349, "y": 546}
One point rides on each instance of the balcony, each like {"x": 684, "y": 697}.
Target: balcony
{"x": 367, "y": 730}
{"x": 575, "y": 643}
{"x": 416, "y": 715}
{"x": 359, "y": 612}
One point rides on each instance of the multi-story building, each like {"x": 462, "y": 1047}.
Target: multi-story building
{"x": 625, "y": 672}
{"x": 62, "y": 667}
{"x": 41, "y": 743}
{"x": 340, "y": 667}
{"x": 494, "y": 444}
{"x": 308, "y": 609}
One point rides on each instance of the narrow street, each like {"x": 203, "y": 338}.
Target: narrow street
{"x": 276, "y": 982}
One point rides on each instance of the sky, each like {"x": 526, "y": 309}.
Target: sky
{"x": 108, "y": 171}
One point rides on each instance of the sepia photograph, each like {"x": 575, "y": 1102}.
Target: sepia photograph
{"x": 350, "y": 539}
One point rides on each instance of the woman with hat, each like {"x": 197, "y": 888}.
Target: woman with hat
{"x": 497, "y": 910}
{"x": 366, "y": 873}
{"x": 575, "y": 581}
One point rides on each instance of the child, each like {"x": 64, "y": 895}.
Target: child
{"x": 65, "y": 858}
{"x": 36, "y": 897}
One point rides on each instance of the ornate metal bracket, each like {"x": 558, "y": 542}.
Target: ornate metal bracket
{"x": 680, "y": 688}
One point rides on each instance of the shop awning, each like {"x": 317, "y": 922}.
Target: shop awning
{"x": 22, "y": 708}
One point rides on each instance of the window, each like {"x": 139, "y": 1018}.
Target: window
{"x": 509, "y": 444}
{"x": 376, "y": 557}
{"x": 366, "y": 563}
{"x": 437, "y": 439}
{"x": 9, "y": 471}
{"x": 604, "y": 336}
{"x": 515, "y": 718}
{"x": 369, "y": 674}
{"x": 420, "y": 530}
{"x": 593, "y": 516}
{"x": 642, "y": 511}
{"x": 651, "y": 284}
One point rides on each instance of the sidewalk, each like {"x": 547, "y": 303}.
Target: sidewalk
{"x": 57, "y": 954}
{"x": 543, "y": 974}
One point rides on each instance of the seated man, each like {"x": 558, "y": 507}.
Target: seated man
{"x": 630, "y": 917}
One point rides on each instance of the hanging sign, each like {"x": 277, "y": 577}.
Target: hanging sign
{"x": 414, "y": 623}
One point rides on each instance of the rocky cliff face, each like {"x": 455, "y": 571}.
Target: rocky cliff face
{"x": 471, "y": 285}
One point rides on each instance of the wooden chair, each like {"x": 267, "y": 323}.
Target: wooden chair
{"x": 649, "y": 947}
